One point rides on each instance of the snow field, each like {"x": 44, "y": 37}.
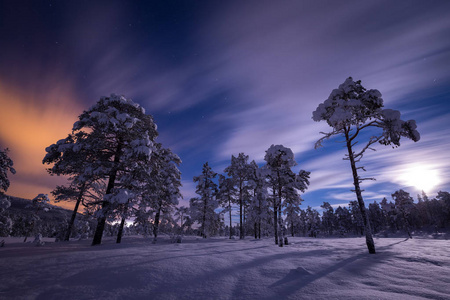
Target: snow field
{"x": 218, "y": 268}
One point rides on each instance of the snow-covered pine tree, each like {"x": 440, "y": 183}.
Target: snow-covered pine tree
{"x": 376, "y": 217}
{"x": 328, "y": 218}
{"x": 6, "y": 165}
{"x": 428, "y": 208}
{"x": 115, "y": 136}
{"x": 292, "y": 209}
{"x": 239, "y": 170}
{"x": 164, "y": 184}
{"x": 389, "y": 213}
{"x": 142, "y": 222}
{"x": 85, "y": 186}
{"x": 444, "y": 198}
{"x": 404, "y": 203}
{"x": 226, "y": 196}
{"x": 423, "y": 212}
{"x": 6, "y": 222}
{"x": 259, "y": 211}
{"x": 39, "y": 203}
{"x": 357, "y": 218}
{"x": 157, "y": 190}
{"x": 203, "y": 208}
{"x": 88, "y": 194}
{"x": 313, "y": 221}
{"x": 279, "y": 161}
{"x": 343, "y": 219}
{"x": 181, "y": 214}
{"x": 302, "y": 222}
{"x": 351, "y": 109}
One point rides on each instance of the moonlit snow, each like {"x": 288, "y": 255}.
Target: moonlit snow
{"x": 219, "y": 268}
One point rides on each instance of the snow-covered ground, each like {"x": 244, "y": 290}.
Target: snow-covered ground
{"x": 219, "y": 268}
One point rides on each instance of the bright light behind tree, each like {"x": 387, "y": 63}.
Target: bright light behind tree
{"x": 422, "y": 177}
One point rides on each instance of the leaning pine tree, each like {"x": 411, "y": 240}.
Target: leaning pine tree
{"x": 350, "y": 110}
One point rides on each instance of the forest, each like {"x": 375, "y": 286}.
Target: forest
{"x": 129, "y": 183}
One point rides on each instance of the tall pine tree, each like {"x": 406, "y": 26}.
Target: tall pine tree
{"x": 116, "y": 137}
{"x": 203, "y": 207}
{"x": 350, "y": 110}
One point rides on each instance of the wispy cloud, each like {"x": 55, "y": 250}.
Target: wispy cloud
{"x": 288, "y": 61}
{"x": 274, "y": 62}
{"x": 285, "y": 69}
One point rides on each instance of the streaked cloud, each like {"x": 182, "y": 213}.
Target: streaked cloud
{"x": 287, "y": 60}
{"x": 245, "y": 75}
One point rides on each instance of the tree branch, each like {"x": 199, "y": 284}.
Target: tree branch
{"x": 326, "y": 136}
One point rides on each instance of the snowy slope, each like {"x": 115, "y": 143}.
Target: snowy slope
{"x": 219, "y": 268}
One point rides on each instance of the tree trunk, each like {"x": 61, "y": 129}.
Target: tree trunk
{"x": 229, "y": 207}
{"x": 119, "y": 234}
{"x": 102, "y": 220}
{"x": 156, "y": 224}
{"x": 259, "y": 229}
{"x": 203, "y": 220}
{"x": 275, "y": 220}
{"x": 280, "y": 222}
{"x": 245, "y": 220}
{"x": 280, "y": 219}
{"x": 28, "y": 233}
{"x": 259, "y": 218}
{"x": 181, "y": 223}
{"x": 365, "y": 216}
{"x": 74, "y": 214}
{"x": 99, "y": 230}
{"x": 408, "y": 230}
{"x": 241, "y": 204}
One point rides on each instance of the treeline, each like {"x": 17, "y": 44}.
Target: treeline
{"x": 260, "y": 205}
{"x": 27, "y": 218}
{"x": 401, "y": 214}
{"x": 266, "y": 196}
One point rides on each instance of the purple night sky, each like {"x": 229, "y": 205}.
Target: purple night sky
{"x": 223, "y": 77}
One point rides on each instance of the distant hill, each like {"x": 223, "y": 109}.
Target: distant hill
{"x": 55, "y": 214}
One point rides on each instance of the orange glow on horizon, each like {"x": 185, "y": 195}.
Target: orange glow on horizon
{"x": 30, "y": 122}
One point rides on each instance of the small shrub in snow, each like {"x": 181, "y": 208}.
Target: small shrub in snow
{"x": 38, "y": 240}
